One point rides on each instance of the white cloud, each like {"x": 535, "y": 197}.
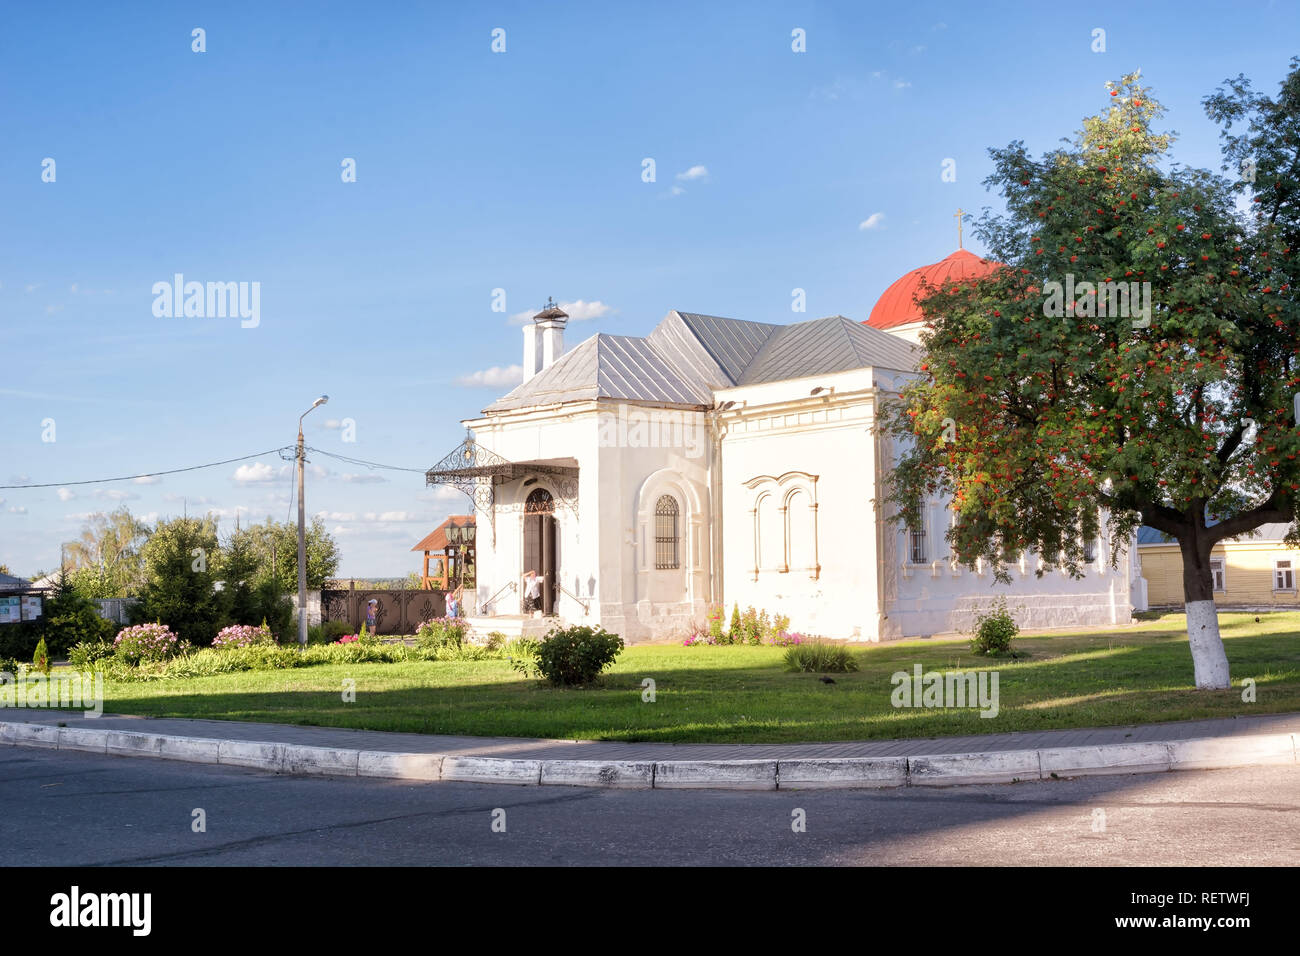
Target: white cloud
{"x": 112, "y": 494}
{"x": 368, "y": 478}
{"x": 394, "y": 516}
{"x": 694, "y": 173}
{"x": 442, "y": 494}
{"x": 196, "y": 500}
{"x": 902, "y": 84}
{"x": 333, "y": 424}
{"x": 580, "y": 311}
{"x": 875, "y": 221}
{"x": 148, "y": 480}
{"x": 676, "y": 191}
{"x": 497, "y": 377}
{"x": 256, "y": 472}
{"x": 66, "y": 495}
{"x": 335, "y": 515}
{"x": 17, "y": 510}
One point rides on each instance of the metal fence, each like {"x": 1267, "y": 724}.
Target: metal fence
{"x": 398, "y": 612}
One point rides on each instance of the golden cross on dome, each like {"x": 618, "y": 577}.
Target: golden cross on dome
{"x": 959, "y": 214}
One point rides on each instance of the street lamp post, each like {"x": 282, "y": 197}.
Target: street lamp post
{"x": 302, "y": 531}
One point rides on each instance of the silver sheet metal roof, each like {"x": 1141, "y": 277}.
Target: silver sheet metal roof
{"x": 820, "y": 346}
{"x": 688, "y": 355}
{"x": 609, "y": 366}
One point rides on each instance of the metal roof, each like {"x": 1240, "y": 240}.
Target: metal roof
{"x": 609, "y": 366}
{"x": 833, "y": 344}
{"x": 688, "y": 355}
{"x": 1266, "y": 532}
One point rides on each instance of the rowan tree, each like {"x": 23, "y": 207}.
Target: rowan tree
{"x": 1047, "y": 417}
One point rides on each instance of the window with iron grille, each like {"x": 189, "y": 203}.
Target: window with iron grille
{"x": 917, "y": 538}
{"x": 666, "y": 556}
{"x": 1090, "y": 550}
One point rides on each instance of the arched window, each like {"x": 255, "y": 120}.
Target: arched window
{"x": 666, "y": 536}
{"x": 799, "y": 520}
{"x": 540, "y": 502}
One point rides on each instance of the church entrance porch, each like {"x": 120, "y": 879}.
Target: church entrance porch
{"x": 540, "y": 548}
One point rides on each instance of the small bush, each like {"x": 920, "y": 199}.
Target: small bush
{"x": 994, "y": 629}
{"x": 85, "y": 655}
{"x": 820, "y": 657}
{"x": 41, "y": 657}
{"x": 442, "y": 632}
{"x": 145, "y": 642}
{"x": 495, "y": 641}
{"x": 327, "y": 632}
{"x": 242, "y": 635}
{"x": 576, "y": 655}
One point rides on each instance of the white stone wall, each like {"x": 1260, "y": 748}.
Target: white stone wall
{"x": 781, "y": 448}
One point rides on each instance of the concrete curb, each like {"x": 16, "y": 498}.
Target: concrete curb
{"x": 932, "y": 770}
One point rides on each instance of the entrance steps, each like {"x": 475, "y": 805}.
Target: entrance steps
{"x": 513, "y": 626}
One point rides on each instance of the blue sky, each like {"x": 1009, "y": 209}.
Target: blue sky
{"x": 478, "y": 171}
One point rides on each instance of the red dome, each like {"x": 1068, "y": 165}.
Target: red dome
{"x": 897, "y": 306}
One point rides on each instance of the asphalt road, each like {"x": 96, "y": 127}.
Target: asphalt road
{"x": 69, "y": 809}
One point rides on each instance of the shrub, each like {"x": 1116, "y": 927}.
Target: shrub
{"x": 994, "y": 629}
{"x": 820, "y": 657}
{"x": 495, "y": 641}
{"x": 442, "y": 632}
{"x": 41, "y": 657}
{"x": 734, "y": 632}
{"x": 786, "y": 638}
{"x": 145, "y": 642}
{"x": 576, "y": 655}
{"x": 715, "y": 624}
{"x": 85, "y": 655}
{"x": 242, "y": 635}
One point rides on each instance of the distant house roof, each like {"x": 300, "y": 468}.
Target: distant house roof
{"x": 436, "y": 540}
{"x": 10, "y": 583}
{"x": 688, "y": 355}
{"x": 1268, "y": 532}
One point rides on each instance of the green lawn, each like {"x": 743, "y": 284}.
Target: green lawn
{"x": 741, "y": 694}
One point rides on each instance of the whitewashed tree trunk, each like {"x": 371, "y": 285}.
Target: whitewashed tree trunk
{"x": 1209, "y": 659}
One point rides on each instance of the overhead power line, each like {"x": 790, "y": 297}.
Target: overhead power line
{"x": 148, "y": 474}
{"x": 364, "y": 463}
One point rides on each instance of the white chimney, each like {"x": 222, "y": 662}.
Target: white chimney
{"x": 544, "y": 339}
{"x": 532, "y": 354}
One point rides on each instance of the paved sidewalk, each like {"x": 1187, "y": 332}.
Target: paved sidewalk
{"x": 522, "y": 748}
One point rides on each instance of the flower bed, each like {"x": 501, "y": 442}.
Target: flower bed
{"x": 242, "y": 635}
{"x": 145, "y": 642}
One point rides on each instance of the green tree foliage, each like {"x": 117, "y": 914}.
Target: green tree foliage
{"x": 275, "y": 547}
{"x": 181, "y": 561}
{"x": 106, "y": 561}
{"x": 1034, "y": 419}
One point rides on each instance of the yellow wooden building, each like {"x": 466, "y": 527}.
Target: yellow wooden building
{"x": 1258, "y": 571}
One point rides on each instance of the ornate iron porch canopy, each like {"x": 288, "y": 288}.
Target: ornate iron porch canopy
{"x": 476, "y": 471}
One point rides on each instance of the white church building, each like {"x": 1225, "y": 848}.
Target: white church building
{"x": 718, "y": 461}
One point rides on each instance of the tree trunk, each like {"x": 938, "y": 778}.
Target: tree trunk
{"x": 1209, "y": 660}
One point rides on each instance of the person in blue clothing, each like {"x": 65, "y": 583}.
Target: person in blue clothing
{"x": 372, "y": 608}
{"x": 453, "y": 603}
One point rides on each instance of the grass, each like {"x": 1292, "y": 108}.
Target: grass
{"x": 1138, "y": 674}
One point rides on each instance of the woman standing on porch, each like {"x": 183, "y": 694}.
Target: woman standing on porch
{"x": 532, "y": 592}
